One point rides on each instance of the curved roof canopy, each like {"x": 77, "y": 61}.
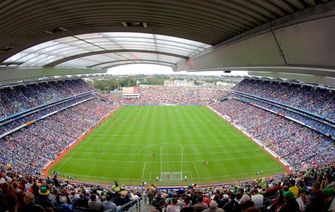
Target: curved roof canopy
{"x": 288, "y": 36}
{"x": 102, "y": 50}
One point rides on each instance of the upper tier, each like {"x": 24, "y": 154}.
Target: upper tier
{"x": 24, "y": 97}
{"x": 320, "y": 102}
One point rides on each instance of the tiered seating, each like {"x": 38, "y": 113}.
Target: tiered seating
{"x": 26, "y": 151}
{"x": 300, "y": 146}
{"x": 24, "y": 97}
{"x": 281, "y": 193}
{"x": 51, "y": 115}
{"x": 176, "y": 95}
{"x": 318, "y": 101}
{"x": 43, "y": 141}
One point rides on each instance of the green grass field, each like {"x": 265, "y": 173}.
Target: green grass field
{"x": 139, "y": 143}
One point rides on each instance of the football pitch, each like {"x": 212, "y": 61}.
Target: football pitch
{"x": 140, "y": 143}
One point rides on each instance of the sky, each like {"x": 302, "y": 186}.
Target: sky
{"x": 158, "y": 69}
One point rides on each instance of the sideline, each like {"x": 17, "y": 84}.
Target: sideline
{"x": 201, "y": 184}
{"x": 47, "y": 168}
{"x": 288, "y": 169}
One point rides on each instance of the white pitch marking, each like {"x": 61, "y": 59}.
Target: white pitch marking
{"x": 143, "y": 169}
{"x": 196, "y": 169}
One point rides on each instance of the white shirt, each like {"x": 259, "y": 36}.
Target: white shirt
{"x": 258, "y": 200}
{"x": 301, "y": 204}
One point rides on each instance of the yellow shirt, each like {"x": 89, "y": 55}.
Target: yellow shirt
{"x": 295, "y": 191}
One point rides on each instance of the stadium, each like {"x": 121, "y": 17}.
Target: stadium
{"x": 75, "y": 138}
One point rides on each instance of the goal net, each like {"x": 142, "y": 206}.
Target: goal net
{"x": 171, "y": 176}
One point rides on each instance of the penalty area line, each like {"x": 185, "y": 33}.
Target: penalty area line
{"x": 143, "y": 171}
{"x": 196, "y": 169}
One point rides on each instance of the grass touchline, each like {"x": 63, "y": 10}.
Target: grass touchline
{"x": 141, "y": 143}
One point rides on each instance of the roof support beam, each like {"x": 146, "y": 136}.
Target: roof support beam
{"x": 130, "y": 62}
{"x": 66, "y": 59}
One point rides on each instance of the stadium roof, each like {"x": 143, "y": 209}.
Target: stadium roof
{"x": 277, "y": 36}
{"x": 104, "y": 50}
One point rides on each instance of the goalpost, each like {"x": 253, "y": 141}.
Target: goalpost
{"x": 176, "y": 175}
{"x": 171, "y": 176}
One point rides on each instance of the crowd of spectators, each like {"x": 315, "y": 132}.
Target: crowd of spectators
{"x": 21, "y": 98}
{"x": 34, "y": 193}
{"x": 306, "y": 191}
{"x": 313, "y": 122}
{"x": 25, "y": 152}
{"x": 319, "y": 101}
{"x": 161, "y": 95}
{"x": 300, "y": 146}
{"x": 311, "y": 190}
{"x": 31, "y": 148}
{"x": 36, "y": 114}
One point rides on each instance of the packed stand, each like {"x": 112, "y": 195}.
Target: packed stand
{"x": 35, "y": 115}
{"x": 30, "y": 193}
{"x": 25, "y": 97}
{"x": 307, "y": 191}
{"x": 41, "y": 142}
{"x": 314, "y": 123}
{"x": 161, "y": 95}
{"x": 314, "y": 100}
{"x": 300, "y": 146}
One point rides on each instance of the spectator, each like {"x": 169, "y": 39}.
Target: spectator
{"x": 232, "y": 205}
{"x": 316, "y": 199}
{"x": 28, "y": 203}
{"x": 329, "y": 196}
{"x": 257, "y": 198}
{"x": 9, "y": 200}
{"x": 294, "y": 189}
{"x": 94, "y": 203}
{"x": 108, "y": 204}
{"x": 82, "y": 202}
{"x": 75, "y": 194}
{"x": 200, "y": 205}
{"x": 304, "y": 148}
{"x": 290, "y": 205}
{"x": 43, "y": 198}
{"x": 173, "y": 207}
{"x": 213, "y": 207}
{"x": 302, "y": 200}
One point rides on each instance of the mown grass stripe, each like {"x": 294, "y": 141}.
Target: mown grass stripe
{"x": 127, "y": 148}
